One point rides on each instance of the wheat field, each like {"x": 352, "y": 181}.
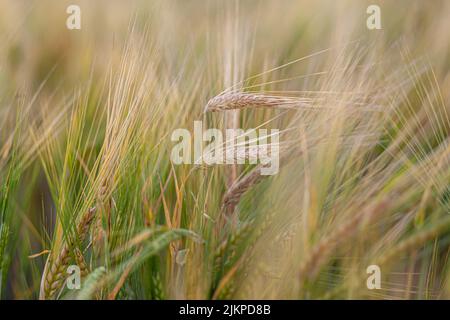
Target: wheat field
{"x": 87, "y": 182}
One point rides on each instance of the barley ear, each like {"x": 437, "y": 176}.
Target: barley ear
{"x": 54, "y": 271}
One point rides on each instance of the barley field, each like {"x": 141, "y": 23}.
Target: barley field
{"x": 354, "y": 118}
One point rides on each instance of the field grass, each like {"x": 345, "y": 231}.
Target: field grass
{"x": 86, "y": 178}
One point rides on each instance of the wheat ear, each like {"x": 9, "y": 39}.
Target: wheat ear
{"x": 54, "y": 271}
{"x": 242, "y": 100}
{"x": 235, "y": 192}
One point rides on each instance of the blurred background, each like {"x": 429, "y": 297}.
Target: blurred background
{"x": 138, "y": 69}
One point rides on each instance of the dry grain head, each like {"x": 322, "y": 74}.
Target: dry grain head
{"x": 241, "y": 100}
